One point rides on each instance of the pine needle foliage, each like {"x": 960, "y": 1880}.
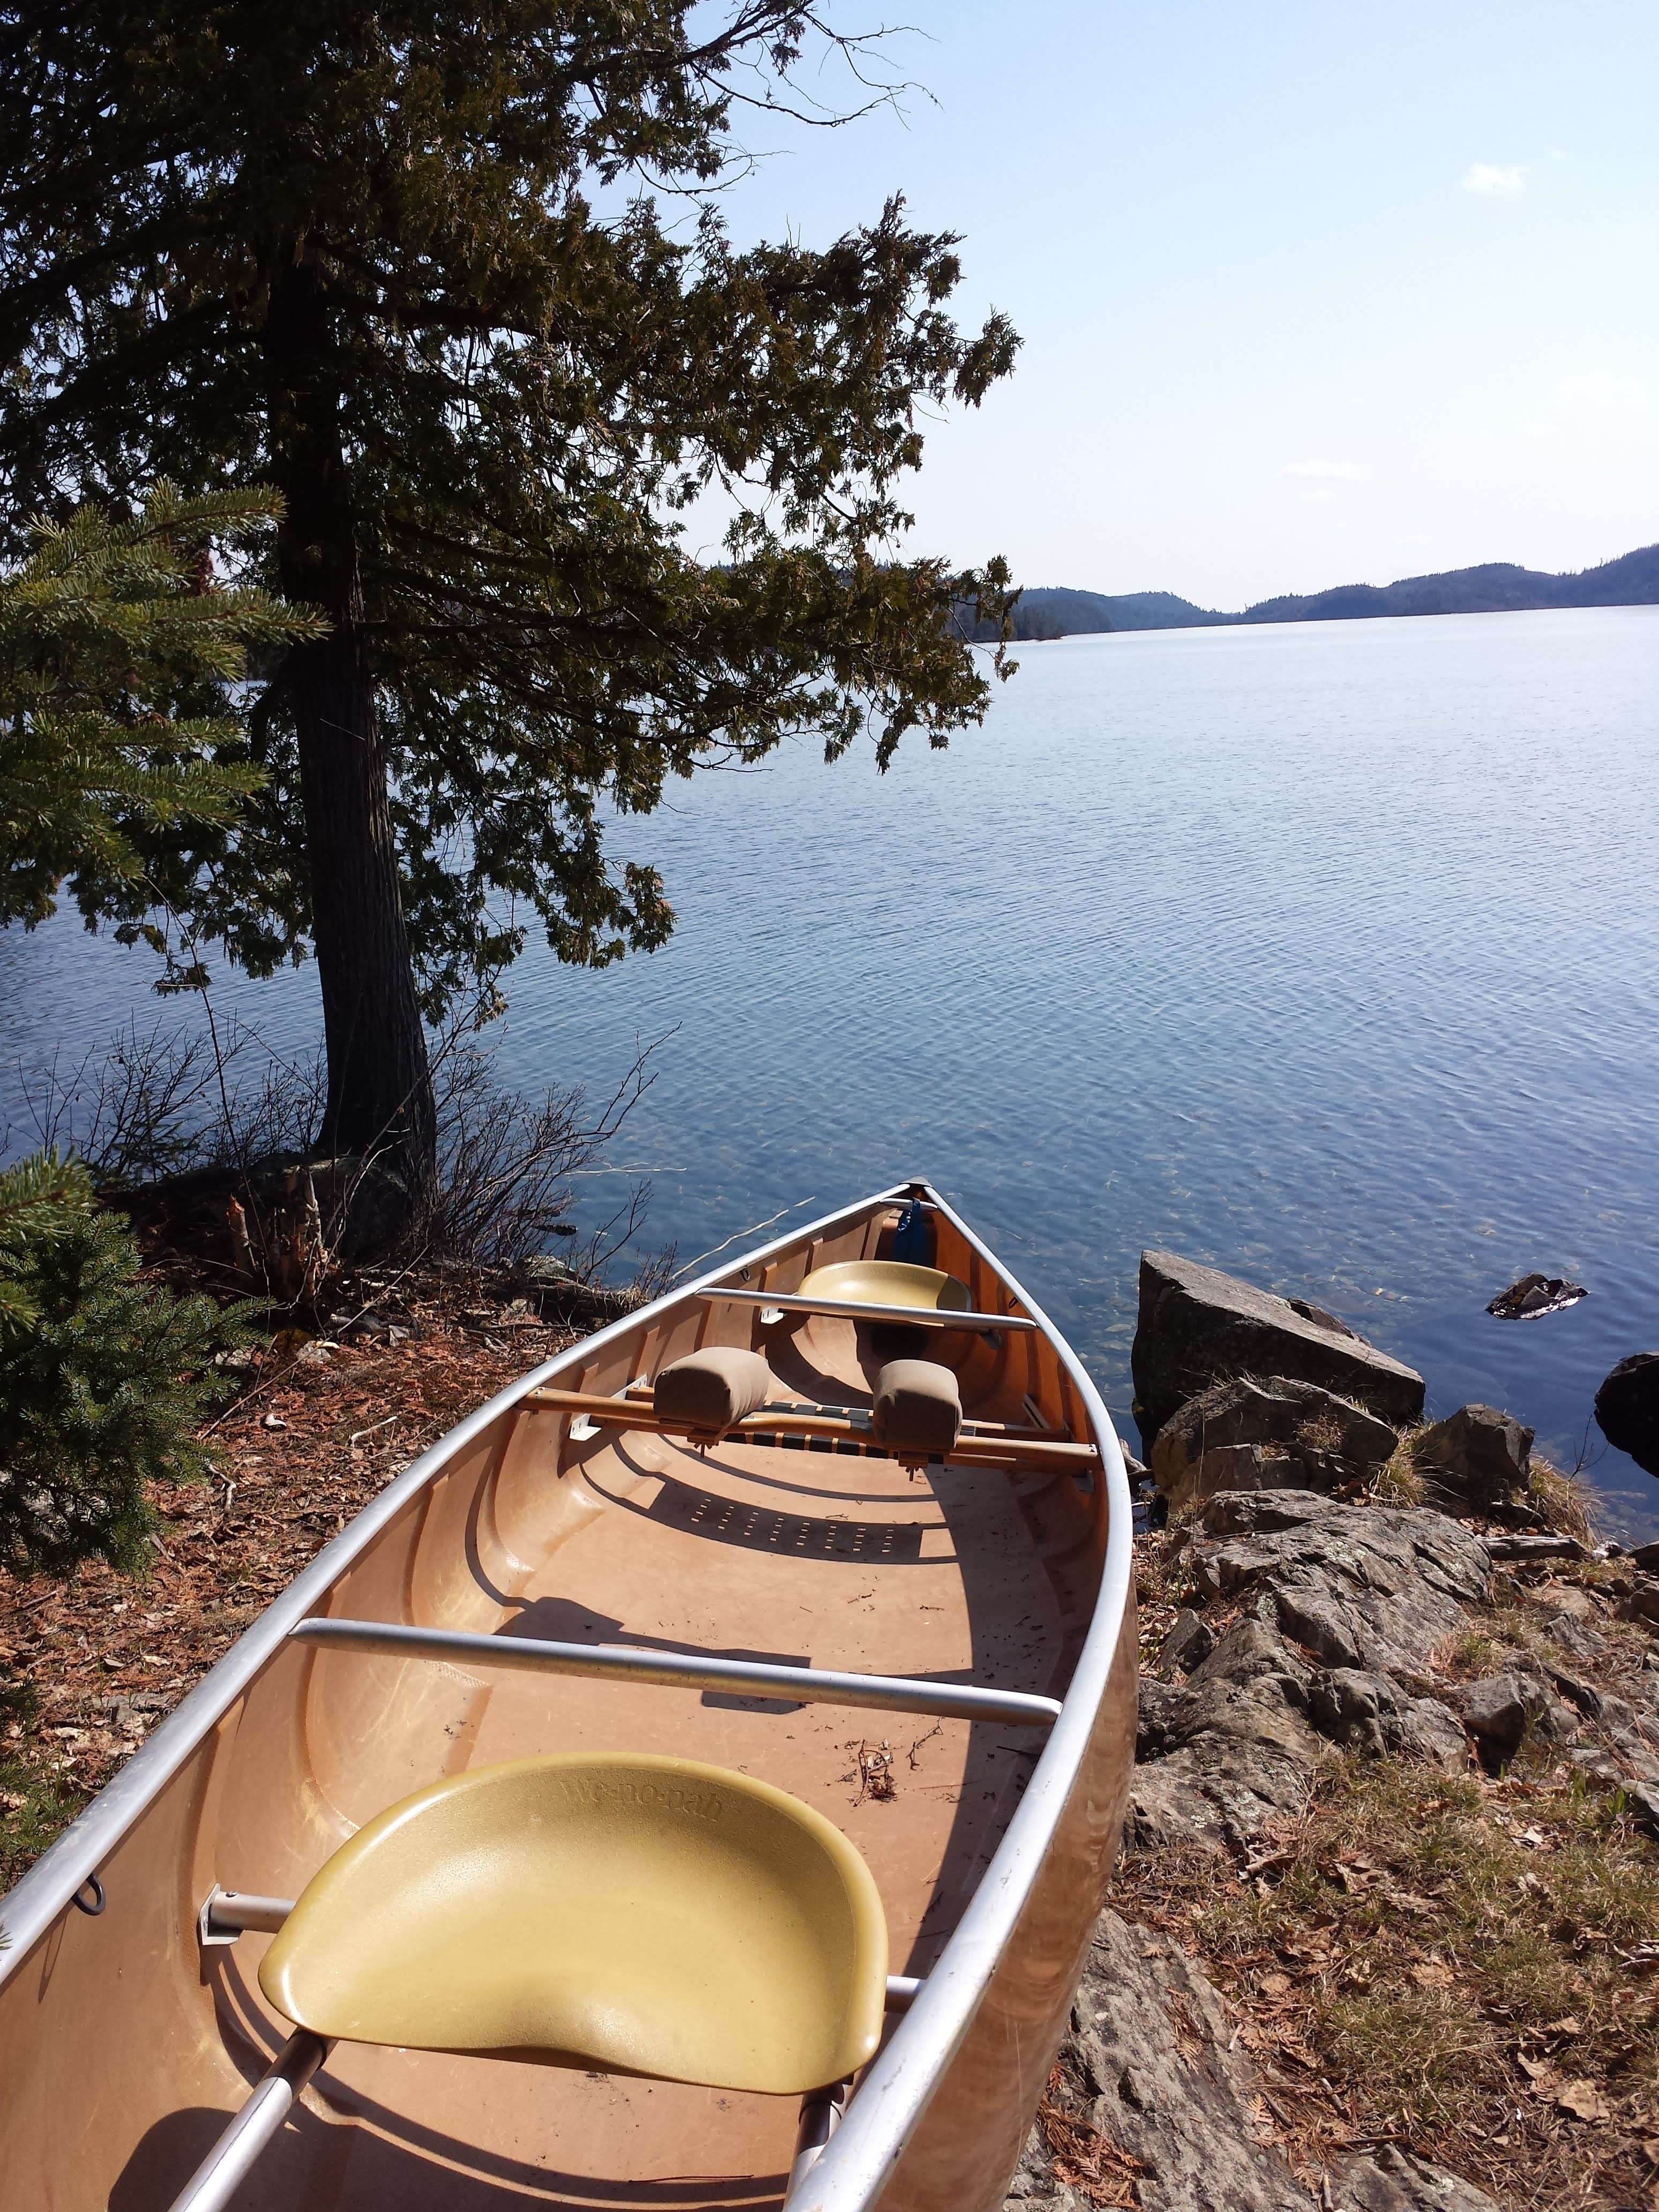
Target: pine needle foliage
{"x": 458, "y": 280}
{"x": 102, "y": 1381}
{"x": 121, "y": 661}
{"x": 38, "y": 1198}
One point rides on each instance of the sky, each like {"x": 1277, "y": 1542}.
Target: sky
{"x": 1310, "y": 294}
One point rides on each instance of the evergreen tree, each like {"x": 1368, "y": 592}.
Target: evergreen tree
{"x": 102, "y": 1384}
{"x": 120, "y": 654}
{"x": 406, "y": 263}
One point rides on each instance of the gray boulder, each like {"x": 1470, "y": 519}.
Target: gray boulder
{"x": 1152, "y": 2069}
{"x": 1197, "y": 1326}
{"x": 1477, "y": 1460}
{"x": 1499, "y": 1711}
{"x": 1189, "y": 1643}
{"x": 1495, "y": 1713}
{"x": 1367, "y": 1712}
{"x": 1626, "y": 1407}
{"x": 1391, "y": 2180}
{"x": 1281, "y": 1434}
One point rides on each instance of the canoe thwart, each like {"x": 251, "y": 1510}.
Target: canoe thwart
{"x": 976, "y": 1432}
{"x": 860, "y": 1310}
{"x": 686, "y": 1670}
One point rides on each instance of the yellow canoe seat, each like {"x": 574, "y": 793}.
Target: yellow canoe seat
{"x": 888, "y": 1283}
{"x": 636, "y": 1915}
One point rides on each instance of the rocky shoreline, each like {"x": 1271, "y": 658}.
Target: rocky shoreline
{"x": 1387, "y": 1916}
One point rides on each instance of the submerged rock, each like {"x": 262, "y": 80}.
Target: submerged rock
{"x": 1535, "y": 1295}
{"x": 1197, "y": 1326}
{"x": 1627, "y": 1408}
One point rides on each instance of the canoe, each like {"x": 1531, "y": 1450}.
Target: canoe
{"x": 690, "y": 1785}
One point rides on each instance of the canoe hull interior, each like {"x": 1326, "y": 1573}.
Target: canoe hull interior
{"x": 125, "y": 2046}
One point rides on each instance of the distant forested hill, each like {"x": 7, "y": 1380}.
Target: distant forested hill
{"x": 1496, "y": 588}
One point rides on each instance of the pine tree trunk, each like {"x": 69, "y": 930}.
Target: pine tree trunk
{"x": 379, "y": 1103}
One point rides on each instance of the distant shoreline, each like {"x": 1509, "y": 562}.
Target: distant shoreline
{"x": 1049, "y": 611}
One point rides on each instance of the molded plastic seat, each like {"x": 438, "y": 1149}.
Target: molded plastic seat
{"x": 888, "y": 1283}
{"x": 638, "y": 1915}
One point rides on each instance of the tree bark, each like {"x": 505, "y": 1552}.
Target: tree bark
{"x": 380, "y": 1102}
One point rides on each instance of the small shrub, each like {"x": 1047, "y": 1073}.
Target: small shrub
{"x": 1397, "y": 1481}
{"x": 1475, "y": 1652}
{"x": 1561, "y": 1499}
{"x": 1319, "y": 1432}
{"x": 102, "y": 1382}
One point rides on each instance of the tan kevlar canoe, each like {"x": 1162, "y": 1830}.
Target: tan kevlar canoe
{"x": 741, "y": 1704}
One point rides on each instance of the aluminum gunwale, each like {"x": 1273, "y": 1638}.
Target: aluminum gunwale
{"x": 889, "y": 2103}
{"x": 28, "y": 1911}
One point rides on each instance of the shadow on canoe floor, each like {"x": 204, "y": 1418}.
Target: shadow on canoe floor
{"x": 562, "y": 1620}
{"x": 391, "y": 2160}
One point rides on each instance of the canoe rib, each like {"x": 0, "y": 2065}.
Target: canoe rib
{"x": 688, "y": 1670}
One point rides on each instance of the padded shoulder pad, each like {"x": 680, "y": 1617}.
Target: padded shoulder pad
{"x": 918, "y": 1408}
{"x": 711, "y": 1388}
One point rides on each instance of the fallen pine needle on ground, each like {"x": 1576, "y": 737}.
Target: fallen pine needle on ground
{"x": 89, "y": 1665}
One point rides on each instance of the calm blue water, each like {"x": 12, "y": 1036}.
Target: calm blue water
{"x": 1326, "y": 953}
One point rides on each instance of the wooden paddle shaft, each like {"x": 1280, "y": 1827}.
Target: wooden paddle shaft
{"x": 968, "y": 1451}
{"x": 863, "y": 1310}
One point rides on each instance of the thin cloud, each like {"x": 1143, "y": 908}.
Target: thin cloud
{"x": 1492, "y": 182}
{"x": 1600, "y": 389}
{"x": 1325, "y": 471}
{"x": 1599, "y": 408}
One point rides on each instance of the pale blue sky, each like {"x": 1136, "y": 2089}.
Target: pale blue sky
{"x": 1312, "y": 293}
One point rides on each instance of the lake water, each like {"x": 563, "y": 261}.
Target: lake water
{"x": 1327, "y": 953}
